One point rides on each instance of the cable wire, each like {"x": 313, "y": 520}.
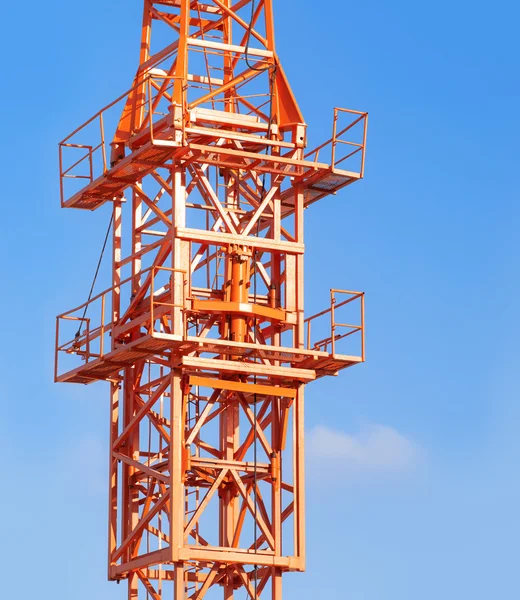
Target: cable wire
{"x": 248, "y": 41}
{"x": 78, "y": 333}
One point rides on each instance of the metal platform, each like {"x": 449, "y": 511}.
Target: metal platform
{"x": 317, "y": 179}
{"x": 305, "y": 365}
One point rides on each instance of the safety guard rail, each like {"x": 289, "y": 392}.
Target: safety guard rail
{"x": 331, "y": 340}
{"x": 93, "y": 342}
{"x": 149, "y": 98}
{"x": 357, "y": 123}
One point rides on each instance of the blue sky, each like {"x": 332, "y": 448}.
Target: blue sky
{"x": 426, "y": 505}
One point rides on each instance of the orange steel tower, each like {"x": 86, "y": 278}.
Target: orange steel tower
{"x": 202, "y": 334}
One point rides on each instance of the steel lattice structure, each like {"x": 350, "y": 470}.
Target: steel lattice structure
{"x": 202, "y": 334}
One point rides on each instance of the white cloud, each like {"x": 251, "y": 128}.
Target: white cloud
{"x": 375, "y": 448}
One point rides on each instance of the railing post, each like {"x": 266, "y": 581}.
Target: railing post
{"x": 363, "y": 326}
{"x": 103, "y": 151}
{"x": 87, "y": 339}
{"x": 332, "y": 321}
{"x": 334, "y": 129}
{"x": 56, "y": 352}
{"x": 91, "y": 160}
{"x": 365, "y": 126}
{"x": 101, "y": 342}
{"x": 60, "y": 154}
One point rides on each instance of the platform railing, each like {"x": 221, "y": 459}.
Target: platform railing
{"x": 88, "y": 342}
{"x": 329, "y": 343}
{"x": 92, "y": 338}
{"x": 93, "y": 139}
{"x": 356, "y": 127}
{"x": 158, "y": 299}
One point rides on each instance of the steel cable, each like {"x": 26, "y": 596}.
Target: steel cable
{"x": 78, "y": 333}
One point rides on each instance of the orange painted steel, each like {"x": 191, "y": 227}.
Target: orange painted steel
{"x": 202, "y": 335}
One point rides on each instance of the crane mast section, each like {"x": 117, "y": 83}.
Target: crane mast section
{"x": 202, "y": 334}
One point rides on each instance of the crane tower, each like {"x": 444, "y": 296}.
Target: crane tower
{"x": 202, "y": 334}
